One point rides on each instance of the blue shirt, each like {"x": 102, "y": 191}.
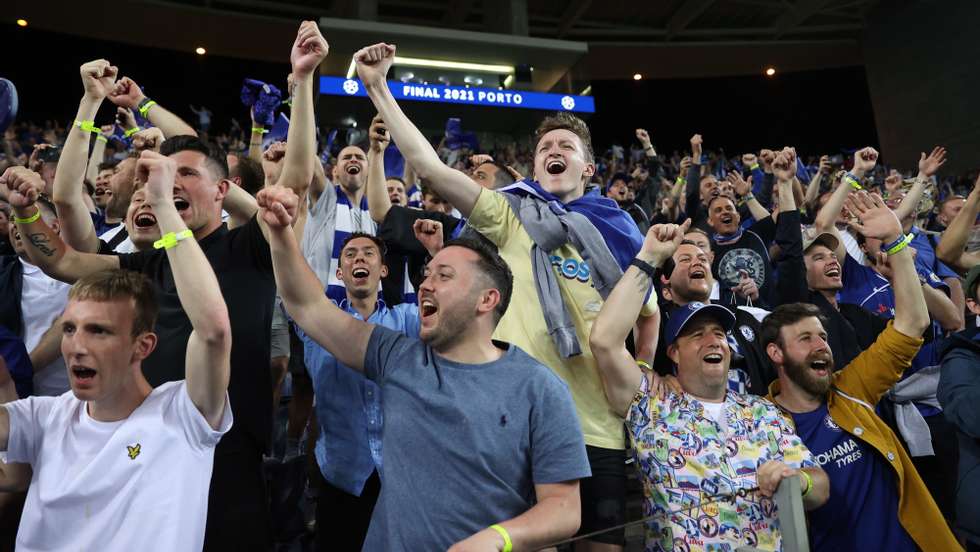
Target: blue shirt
{"x": 925, "y": 253}
{"x": 348, "y": 405}
{"x": 465, "y": 444}
{"x": 862, "y": 511}
{"x": 863, "y": 286}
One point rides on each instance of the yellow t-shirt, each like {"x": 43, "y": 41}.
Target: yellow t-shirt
{"x": 523, "y": 324}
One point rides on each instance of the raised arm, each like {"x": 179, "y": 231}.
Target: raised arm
{"x": 618, "y": 370}
{"x": 309, "y": 49}
{"x": 928, "y": 165}
{"x": 129, "y": 95}
{"x": 784, "y": 169}
{"x": 20, "y": 186}
{"x": 457, "y": 188}
{"x": 826, "y": 219}
{"x": 240, "y": 205}
{"x": 207, "y": 363}
{"x": 255, "y": 139}
{"x": 77, "y": 229}
{"x": 813, "y": 187}
{"x": 693, "y": 190}
{"x": 743, "y": 189}
{"x": 336, "y": 331}
{"x": 952, "y": 245}
{"x": 878, "y": 221}
{"x": 377, "y": 196}
{"x": 97, "y": 157}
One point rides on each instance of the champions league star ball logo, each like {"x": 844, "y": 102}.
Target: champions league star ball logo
{"x": 568, "y": 102}
{"x": 351, "y": 87}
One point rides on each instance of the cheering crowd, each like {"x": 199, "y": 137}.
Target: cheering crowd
{"x": 483, "y": 347}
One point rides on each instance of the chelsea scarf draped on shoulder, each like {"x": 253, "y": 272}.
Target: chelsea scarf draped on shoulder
{"x": 602, "y": 233}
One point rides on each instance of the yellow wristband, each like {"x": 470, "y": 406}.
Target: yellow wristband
{"x": 809, "y": 483}
{"x": 681, "y": 180}
{"x": 145, "y": 107}
{"x": 29, "y": 219}
{"x": 131, "y": 131}
{"x": 88, "y": 126}
{"x": 900, "y": 245}
{"x": 259, "y": 130}
{"x": 508, "y": 545}
{"x": 643, "y": 364}
{"x": 103, "y": 138}
{"x": 170, "y": 239}
{"x": 754, "y": 167}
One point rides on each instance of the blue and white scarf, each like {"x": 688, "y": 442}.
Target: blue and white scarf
{"x": 618, "y": 229}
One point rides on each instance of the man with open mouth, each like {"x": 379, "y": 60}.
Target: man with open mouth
{"x": 700, "y": 440}
{"x": 88, "y": 447}
{"x": 743, "y": 252}
{"x": 348, "y": 405}
{"x": 551, "y": 320}
{"x": 481, "y": 444}
{"x": 877, "y": 498}
{"x": 238, "y": 513}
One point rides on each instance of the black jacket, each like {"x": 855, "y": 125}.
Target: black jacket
{"x": 851, "y": 329}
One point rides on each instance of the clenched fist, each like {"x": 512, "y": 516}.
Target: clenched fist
{"x": 373, "y": 63}
{"x": 308, "y": 51}
{"x": 126, "y": 94}
{"x": 98, "y": 78}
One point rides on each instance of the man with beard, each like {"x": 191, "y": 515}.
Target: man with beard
{"x": 679, "y": 435}
{"x": 481, "y": 445}
{"x": 563, "y": 272}
{"x": 877, "y": 499}
{"x": 348, "y": 406}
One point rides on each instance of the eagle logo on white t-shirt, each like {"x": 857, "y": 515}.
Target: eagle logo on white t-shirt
{"x": 133, "y": 451}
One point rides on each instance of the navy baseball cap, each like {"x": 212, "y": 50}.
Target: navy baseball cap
{"x": 680, "y": 317}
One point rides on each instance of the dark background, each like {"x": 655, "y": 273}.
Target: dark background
{"x": 816, "y": 111}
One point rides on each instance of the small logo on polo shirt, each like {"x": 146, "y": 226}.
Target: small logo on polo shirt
{"x": 133, "y": 451}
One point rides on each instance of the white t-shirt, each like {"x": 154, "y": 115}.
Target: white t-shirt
{"x": 42, "y": 300}
{"x": 136, "y": 484}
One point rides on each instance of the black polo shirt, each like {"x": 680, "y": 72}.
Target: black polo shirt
{"x": 243, "y": 264}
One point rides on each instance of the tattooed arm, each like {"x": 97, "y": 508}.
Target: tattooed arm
{"x": 20, "y": 187}
{"x": 619, "y": 372}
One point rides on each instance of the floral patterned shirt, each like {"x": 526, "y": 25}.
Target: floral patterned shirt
{"x": 699, "y": 476}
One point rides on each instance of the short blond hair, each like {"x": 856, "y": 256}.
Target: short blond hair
{"x": 116, "y": 285}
